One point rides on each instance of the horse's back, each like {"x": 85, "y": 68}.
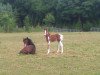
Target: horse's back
{"x": 30, "y": 49}
{"x": 55, "y": 37}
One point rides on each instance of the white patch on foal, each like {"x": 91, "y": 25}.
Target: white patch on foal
{"x": 48, "y": 45}
{"x": 60, "y": 44}
{"x": 45, "y": 32}
{"x": 61, "y": 37}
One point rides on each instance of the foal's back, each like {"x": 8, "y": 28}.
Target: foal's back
{"x": 55, "y": 37}
{"x": 30, "y": 49}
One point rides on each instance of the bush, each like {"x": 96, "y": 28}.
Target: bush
{"x": 38, "y": 28}
{"x": 49, "y": 19}
{"x": 7, "y": 22}
{"x": 87, "y": 26}
{"x": 27, "y": 24}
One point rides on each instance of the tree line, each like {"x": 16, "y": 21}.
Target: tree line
{"x": 75, "y": 14}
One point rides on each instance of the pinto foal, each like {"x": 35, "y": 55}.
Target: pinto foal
{"x": 52, "y": 38}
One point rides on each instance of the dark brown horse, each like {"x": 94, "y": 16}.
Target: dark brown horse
{"x": 52, "y": 38}
{"x": 29, "y": 47}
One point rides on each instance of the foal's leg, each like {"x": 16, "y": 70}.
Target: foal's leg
{"x": 48, "y": 47}
{"x": 58, "y": 47}
{"x": 60, "y": 42}
{"x": 61, "y": 46}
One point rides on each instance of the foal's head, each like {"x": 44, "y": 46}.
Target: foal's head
{"x": 27, "y": 41}
{"x": 46, "y": 33}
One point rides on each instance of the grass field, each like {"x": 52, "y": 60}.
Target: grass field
{"x": 81, "y": 55}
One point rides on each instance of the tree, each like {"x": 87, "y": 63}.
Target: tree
{"x": 65, "y": 13}
{"x": 49, "y": 19}
{"x": 7, "y": 20}
{"x": 27, "y": 23}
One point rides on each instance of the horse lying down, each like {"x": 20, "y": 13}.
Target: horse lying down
{"x": 29, "y": 47}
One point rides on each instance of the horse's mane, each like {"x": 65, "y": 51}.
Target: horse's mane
{"x": 29, "y": 41}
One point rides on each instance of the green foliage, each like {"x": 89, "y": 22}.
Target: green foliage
{"x": 78, "y": 25}
{"x": 5, "y": 8}
{"x": 8, "y": 22}
{"x": 27, "y": 23}
{"x": 49, "y": 19}
{"x": 37, "y": 28}
{"x": 57, "y": 13}
{"x": 87, "y": 26}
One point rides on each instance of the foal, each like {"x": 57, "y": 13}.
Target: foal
{"x": 29, "y": 47}
{"x": 52, "y": 38}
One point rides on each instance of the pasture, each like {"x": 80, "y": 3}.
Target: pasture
{"x": 81, "y": 55}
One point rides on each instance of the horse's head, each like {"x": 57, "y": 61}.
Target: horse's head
{"x": 27, "y": 41}
{"x": 46, "y": 32}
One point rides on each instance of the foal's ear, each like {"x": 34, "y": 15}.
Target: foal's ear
{"x": 26, "y": 37}
{"x": 45, "y": 29}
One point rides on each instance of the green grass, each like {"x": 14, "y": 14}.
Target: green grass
{"x": 81, "y": 55}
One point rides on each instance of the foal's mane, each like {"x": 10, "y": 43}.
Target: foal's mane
{"x": 29, "y": 41}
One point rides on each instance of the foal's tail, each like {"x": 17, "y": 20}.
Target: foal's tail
{"x": 61, "y": 37}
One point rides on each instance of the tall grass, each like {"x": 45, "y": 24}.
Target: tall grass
{"x": 81, "y": 55}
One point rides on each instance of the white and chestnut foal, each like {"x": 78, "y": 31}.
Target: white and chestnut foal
{"x": 52, "y": 38}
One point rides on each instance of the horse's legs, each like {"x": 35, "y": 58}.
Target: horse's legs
{"x": 60, "y": 43}
{"x": 61, "y": 46}
{"x": 58, "y": 47}
{"x": 48, "y": 47}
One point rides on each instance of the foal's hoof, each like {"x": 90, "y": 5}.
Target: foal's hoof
{"x": 61, "y": 52}
{"x": 48, "y": 53}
